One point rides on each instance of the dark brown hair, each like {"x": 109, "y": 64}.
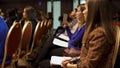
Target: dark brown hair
{"x": 31, "y": 12}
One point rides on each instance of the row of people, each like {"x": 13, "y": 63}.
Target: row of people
{"x": 29, "y": 15}
{"x": 98, "y": 40}
{"x": 97, "y": 43}
{"x": 74, "y": 43}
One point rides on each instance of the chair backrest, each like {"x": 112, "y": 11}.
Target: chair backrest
{"x": 38, "y": 32}
{"x": 117, "y": 44}
{"x": 26, "y": 35}
{"x": 45, "y": 22}
{"x": 49, "y": 25}
{"x": 12, "y": 42}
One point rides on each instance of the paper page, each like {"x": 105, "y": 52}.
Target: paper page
{"x": 57, "y": 60}
{"x": 60, "y": 42}
{"x": 63, "y": 37}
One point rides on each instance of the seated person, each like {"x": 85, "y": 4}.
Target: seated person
{"x": 3, "y": 33}
{"x": 50, "y": 49}
{"x": 99, "y": 39}
{"x": 29, "y": 15}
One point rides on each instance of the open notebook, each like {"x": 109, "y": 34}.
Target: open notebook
{"x": 57, "y": 60}
{"x": 61, "y": 40}
{"x": 63, "y": 36}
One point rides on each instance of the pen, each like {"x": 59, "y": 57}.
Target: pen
{"x": 75, "y": 58}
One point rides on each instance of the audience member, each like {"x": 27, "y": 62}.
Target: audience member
{"x": 11, "y": 17}
{"x": 30, "y": 15}
{"x": 1, "y": 14}
{"x": 50, "y": 49}
{"x": 72, "y": 15}
{"x": 3, "y": 34}
{"x": 98, "y": 40}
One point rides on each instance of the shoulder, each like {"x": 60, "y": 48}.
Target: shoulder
{"x": 2, "y": 23}
{"x": 97, "y": 33}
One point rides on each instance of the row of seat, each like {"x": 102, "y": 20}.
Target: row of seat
{"x": 18, "y": 38}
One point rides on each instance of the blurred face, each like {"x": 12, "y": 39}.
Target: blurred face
{"x": 79, "y": 15}
{"x": 85, "y": 12}
{"x": 72, "y": 14}
{"x": 1, "y": 14}
{"x": 79, "y": 8}
{"x": 24, "y": 14}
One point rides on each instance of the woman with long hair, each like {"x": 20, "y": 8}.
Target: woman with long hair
{"x": 98, "y": 42}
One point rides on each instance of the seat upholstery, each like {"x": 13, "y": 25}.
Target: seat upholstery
{"x": 12, "y": 42}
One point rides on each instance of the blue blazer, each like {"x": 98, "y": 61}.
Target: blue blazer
{"x": 3, "y": 33}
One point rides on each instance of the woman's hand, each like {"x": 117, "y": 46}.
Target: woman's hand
{"x": 71, "y": 65}
{"x": 64, "y": 63}
{"x": 67, "y": 64}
